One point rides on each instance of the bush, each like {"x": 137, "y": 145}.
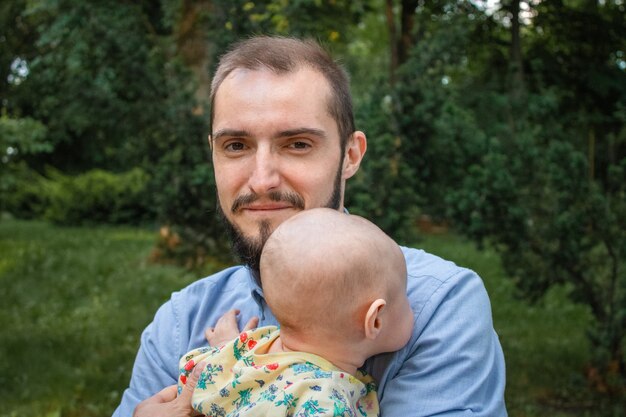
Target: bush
{"x": 24, "y": 193}
{"x": 98, "y": 196}
{"x": 20, "y": 138}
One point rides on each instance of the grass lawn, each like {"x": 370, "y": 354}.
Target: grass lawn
{"x": 74, "y": 302}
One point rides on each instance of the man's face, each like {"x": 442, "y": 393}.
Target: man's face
{"x": 276, "y": 150}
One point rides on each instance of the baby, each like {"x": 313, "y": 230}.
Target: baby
{"x": 336, "y": 284}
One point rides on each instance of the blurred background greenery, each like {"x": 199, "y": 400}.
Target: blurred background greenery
{"x": 496, "y": 137}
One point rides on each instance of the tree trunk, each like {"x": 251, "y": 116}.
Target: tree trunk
{"x": 400, "y": 44}
{"x": 407, "y": 18}
{"x": 393, "y": 35}
{"x": 193, "y": 45}
{"x": 592, "y": 153}
{"x": 515, "y": 52}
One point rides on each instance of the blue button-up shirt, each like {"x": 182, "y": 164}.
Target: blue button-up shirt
{"x": 452, "y": 366}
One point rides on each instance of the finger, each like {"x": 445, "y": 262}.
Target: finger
{"x": 192, "y": 381}
{"x": 167, "y": 394}
{"x": 251, "y": 324}
{"x": 229, "y": 319}
{"x": 164, "y": 396}
{"x": 231, "y": 314}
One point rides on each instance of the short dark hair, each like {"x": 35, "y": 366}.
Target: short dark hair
{"x": 284, "y": 55}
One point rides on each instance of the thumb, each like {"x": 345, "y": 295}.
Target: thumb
{"x": 251, "y": 324}
{"x": 191, "y": 383}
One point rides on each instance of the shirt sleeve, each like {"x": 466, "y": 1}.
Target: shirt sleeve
{"x": 156, "y": 363}
{"x": 455, "y": 367}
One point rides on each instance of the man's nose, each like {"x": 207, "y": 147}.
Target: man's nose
{"x": 265, "y": 173}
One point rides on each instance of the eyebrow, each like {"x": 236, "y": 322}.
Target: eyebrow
{"x": 302, "y": 131}
{"x": 283, "y": 134}
{"x": 229, "y": 132}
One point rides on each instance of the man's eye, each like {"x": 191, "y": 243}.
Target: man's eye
{"x": 300, "y": 145}
{"x": 235, "y": 146}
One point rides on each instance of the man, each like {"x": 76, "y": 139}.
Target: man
{"x": 283, "y": 140}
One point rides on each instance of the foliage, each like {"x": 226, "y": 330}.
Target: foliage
{"x": 383, "y": 190}
{"x": 94, "y": 79}
{"x": 439, "y": 132}
{"x": 554, "y": 226}
{"x": 27, "y": 196}
{"x": 514, "y": 161}
{"x": 97, "y": 196}
{"x": 182, "y": 185}
{"x": 16, "y": 46}
{"x": 19, "y": 138}
{"x": 327, "y": 20}
{"x": 420, "y": 136}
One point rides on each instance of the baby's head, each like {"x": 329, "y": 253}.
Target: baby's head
{"x": 337, "y": 277}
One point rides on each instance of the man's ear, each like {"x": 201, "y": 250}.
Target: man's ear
{"x": 373, "y": 322}
{"x": 355, "y": 149}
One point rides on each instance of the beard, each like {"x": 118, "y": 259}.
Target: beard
{"x": 248, "y": 249}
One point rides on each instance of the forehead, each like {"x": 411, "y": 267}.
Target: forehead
{"x": 305, "y": 74}
{"x": 302, "y": 93}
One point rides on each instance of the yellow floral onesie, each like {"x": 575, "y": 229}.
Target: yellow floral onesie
{"x": 240, "y": 379}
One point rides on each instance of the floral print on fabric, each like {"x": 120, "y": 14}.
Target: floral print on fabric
{"x": 240, "y": 379}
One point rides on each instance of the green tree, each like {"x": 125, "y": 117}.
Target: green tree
{"x": 510, "y": 123}
{"x": 95, "y": 80}
{"x": 547, "y": 190}
{"x": 438, "y": 129}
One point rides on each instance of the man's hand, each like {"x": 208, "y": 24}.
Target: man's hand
{"x": 166, "y": 404}
{"x": 226, "y": 328}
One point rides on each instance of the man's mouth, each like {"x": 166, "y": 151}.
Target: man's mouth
{"x": 259, "y": 207}
{"x": 272, "y": 202}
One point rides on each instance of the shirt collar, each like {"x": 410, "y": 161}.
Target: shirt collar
{"x": 255, "y": 289}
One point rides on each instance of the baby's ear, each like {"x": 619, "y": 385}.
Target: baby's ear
{"x": 373, "y": 323}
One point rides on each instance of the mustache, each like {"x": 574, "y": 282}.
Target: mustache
{"x": 292, "y": 198}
